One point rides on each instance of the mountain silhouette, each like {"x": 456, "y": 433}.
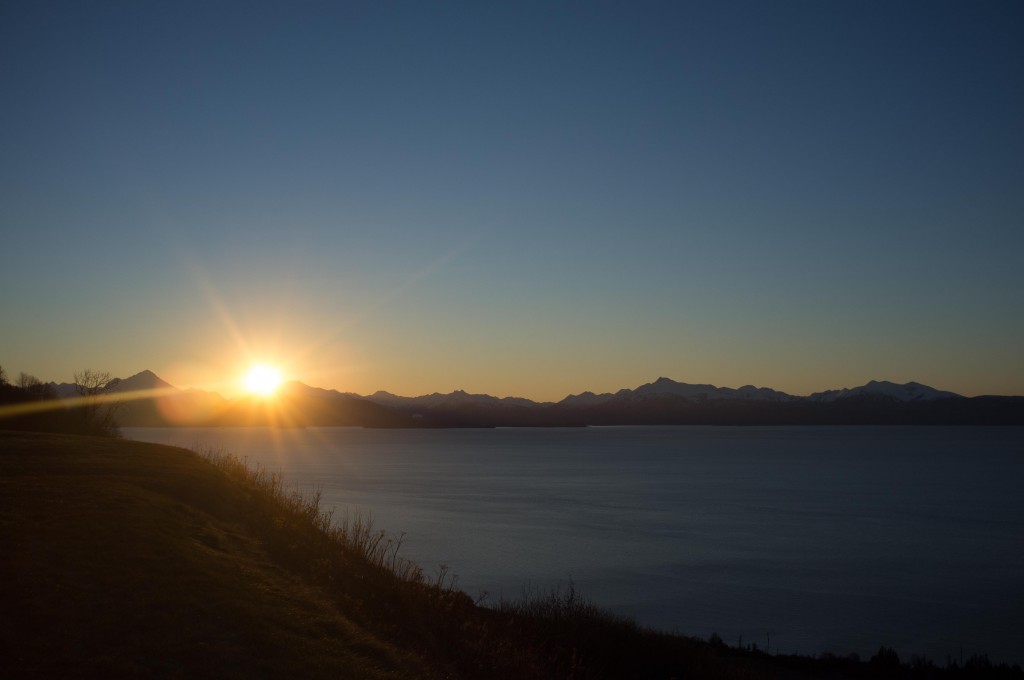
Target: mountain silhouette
{"x": 295, "y": 404}
{"x": 151, "y": 401}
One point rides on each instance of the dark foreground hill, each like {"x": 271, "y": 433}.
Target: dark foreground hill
{"x": 122, "y": 559}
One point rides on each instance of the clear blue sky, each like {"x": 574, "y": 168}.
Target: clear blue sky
{"x": 529, "y": 199}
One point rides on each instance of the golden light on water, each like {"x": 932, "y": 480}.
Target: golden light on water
{"x": 262, "y": 379}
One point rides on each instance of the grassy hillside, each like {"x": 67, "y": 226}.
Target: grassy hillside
{"x": 122, "y": 559}
{"x": 126, "y": 559}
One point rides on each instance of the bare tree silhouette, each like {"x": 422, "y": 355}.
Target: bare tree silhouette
{"x": 99, "y": 407}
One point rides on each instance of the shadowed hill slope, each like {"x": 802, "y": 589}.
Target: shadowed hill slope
{"x": 126, "y": 559}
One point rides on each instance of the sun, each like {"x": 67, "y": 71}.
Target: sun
{"x": 262, "y": 379}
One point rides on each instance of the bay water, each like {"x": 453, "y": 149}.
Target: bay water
{"x": 796, "y": 539}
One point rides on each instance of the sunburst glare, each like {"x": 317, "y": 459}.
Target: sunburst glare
{"x": 262, "y": 379}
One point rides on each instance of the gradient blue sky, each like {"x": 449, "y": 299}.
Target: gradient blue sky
{"x": 529, "y": 199}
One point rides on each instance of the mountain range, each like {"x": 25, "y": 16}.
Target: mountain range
{"x": 155, "y": 402}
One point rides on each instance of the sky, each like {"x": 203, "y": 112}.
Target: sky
{"x": 521, "y": 199}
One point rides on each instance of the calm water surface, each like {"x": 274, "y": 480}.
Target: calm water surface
{"x": 825, "y": 539}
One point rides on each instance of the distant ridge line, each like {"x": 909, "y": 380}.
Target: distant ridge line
{"x": 910, "y": 391}
{"x": 661, "y": 402}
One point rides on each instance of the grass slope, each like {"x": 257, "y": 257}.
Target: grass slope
{"x": 128, "y": 559}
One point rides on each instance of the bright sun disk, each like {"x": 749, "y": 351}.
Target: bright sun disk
{"x": 262, "y": 379}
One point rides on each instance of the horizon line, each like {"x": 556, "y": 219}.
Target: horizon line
{"x": 572, "y": 394}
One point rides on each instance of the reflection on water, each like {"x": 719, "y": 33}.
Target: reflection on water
{"x": 826, "y": 539}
